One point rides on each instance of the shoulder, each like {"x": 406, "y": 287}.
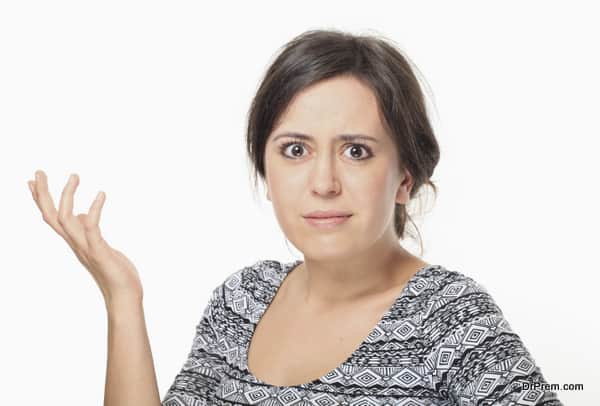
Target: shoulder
{"x": 460, "y": 318}
{"x": 475, "y": 352}
{"x": 447, "y": 291}
{"x": 262, "y": 269}
{"x": 255, "y": 282}
{"x": 449, "y": 281}
{"x": 454, "y": 308}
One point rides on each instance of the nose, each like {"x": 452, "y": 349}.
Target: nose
{"x": 324, "y": 177}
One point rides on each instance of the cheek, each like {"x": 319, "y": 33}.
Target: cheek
{"x": 375, "y": 198}
{"x": 284, "y": 188}
{"x": 284, "y": 181}
{"x": 371, "y": 190}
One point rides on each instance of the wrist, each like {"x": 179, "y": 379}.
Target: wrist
{"x": 121, "y": 303}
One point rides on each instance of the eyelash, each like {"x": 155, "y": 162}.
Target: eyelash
{"x": 284, "y": 146}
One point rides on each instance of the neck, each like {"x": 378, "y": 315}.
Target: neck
{"x": 321, "y": 284}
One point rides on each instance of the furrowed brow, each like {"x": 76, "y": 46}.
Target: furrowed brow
{"x": 341, "y": 137}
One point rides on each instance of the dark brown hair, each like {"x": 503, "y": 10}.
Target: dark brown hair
{"x": 320, "y": 54}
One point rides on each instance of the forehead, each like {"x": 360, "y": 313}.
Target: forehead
{"x": 339, "y": 104}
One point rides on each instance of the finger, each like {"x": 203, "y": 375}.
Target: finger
{"x": 81, "y": 255}
{"x": 44, "y": 200}
{"x": 70, "y": 224}
{"x": 46, "y": 205}
{"x": 96, "y": 209}
{"x": 31, "y": 185}
{"x": 65, "y": 208}
{"x": 92, "y": 221}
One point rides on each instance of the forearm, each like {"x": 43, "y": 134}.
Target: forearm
{"x": 130, "y": 374}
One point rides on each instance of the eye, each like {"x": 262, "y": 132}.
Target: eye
{"x": 359, "y": 146}
{"x": 285, "y": 145}
{"x": 302, "y": 146}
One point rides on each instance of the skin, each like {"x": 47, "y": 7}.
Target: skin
{"x": 358, "y": 262}
{"x": 115, "y": 274}
{"x": 361, "y": 259}
{"x": 129, "y": 356}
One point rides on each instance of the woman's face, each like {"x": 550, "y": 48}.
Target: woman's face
{"x": 360, "y": 176}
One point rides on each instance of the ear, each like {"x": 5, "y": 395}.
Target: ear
{"x": 403, "y": 194}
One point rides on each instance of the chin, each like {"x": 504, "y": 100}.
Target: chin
{"x": 326, "y": 248}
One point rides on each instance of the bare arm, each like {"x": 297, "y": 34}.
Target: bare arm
{"x": 130, "y": 374}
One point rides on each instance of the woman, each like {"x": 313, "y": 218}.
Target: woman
{"x": 338, "y": 130}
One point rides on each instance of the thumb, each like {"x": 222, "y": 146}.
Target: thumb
{"x": 91, "y": 222}
{"x": 96, "y": 243}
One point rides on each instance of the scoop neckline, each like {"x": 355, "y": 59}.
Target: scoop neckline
{"x": 287, "y": 268}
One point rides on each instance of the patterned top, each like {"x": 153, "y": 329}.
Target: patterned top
{"x": 444, "y": 341}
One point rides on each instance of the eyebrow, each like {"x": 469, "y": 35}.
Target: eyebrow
{"x": 341, "y": 137}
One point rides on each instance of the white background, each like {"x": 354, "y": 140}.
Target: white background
{"x": 147, "y": 102}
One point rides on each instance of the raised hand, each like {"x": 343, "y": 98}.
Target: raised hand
{"x": 114, "y": 274}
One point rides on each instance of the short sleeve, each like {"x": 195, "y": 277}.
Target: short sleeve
{"x": 488, "y": 362}
{"x": 196, "y": 382}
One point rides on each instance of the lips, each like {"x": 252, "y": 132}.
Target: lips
{"x": 324, "y": 214}
{"x": 327, "y": 222}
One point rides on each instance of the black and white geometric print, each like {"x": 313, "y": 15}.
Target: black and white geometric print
{"x": 444, "y": 341}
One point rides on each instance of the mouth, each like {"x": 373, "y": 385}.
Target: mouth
{"x": 327, "y": 222}
{"x": 327, "y": 213}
